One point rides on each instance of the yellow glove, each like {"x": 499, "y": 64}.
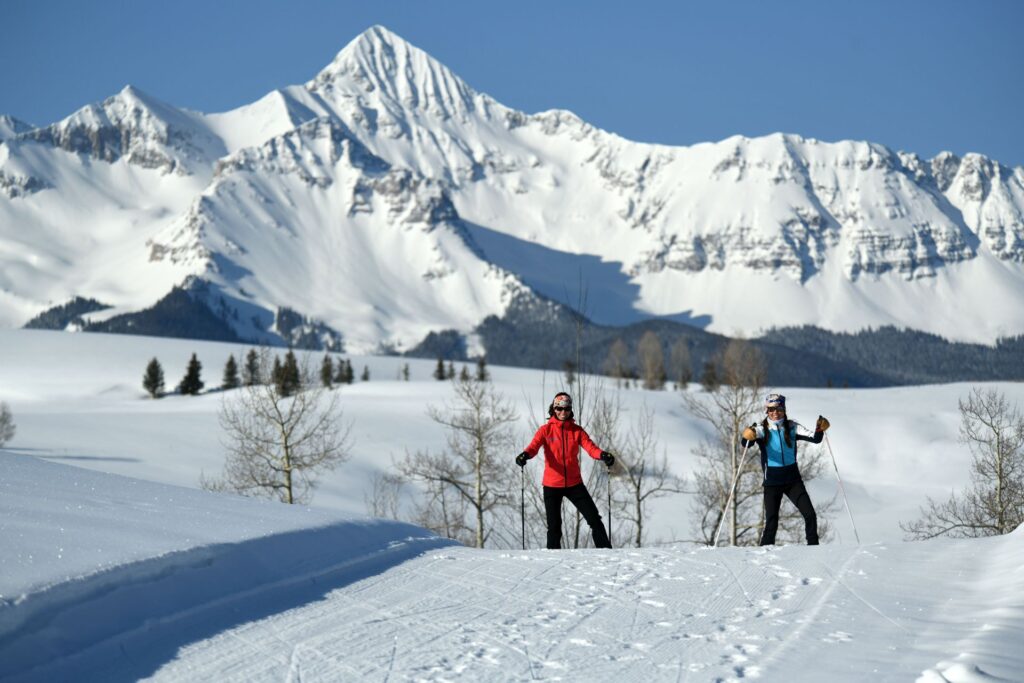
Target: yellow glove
{"x": 822, "y": 424}
{"x": 749, "y": 434}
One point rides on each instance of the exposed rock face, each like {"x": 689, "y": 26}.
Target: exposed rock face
{"x": 139, "y": 128}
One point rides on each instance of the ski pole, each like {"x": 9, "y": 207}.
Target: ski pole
{"x": 522, "y": 504}
{"x": 843, "y": 490}
{"x": 732, "y": 491}
{"x": 609, "y": 504}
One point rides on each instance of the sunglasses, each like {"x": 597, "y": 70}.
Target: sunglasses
{"x": 775, "y": 410}
{"x": 558, "y": 408}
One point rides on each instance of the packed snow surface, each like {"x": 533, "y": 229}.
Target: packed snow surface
{"x": 112, "y": 577}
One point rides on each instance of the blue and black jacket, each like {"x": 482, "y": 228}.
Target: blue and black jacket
{"x": 778, "y": 451}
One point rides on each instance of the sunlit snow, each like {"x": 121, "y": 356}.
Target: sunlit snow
{"x": 115, "y": 567}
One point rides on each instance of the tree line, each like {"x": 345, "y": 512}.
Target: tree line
{"x": 284, "y": 429}
{"x": 284, "y": 375}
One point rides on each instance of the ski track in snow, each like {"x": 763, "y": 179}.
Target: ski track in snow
{"x": 623, "y": 615}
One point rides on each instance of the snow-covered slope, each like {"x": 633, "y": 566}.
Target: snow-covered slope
{"x": 10, "y": 126}
{"x": 107, "y": 578}
{"x": 744, "y": 233}
{"x": 370, "y": 249}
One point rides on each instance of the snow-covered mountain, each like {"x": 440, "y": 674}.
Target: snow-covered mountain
{"x": 10, "y": 126}
{"x": 386, "y": 198}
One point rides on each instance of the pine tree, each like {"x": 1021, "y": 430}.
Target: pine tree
{"x": 481, "y": 370}
{"x": 289, "y": 380}
{"x": 252, "y": 369}
{"x": 350, "y": 375}
{"x": 464, "y": 374}
{"x": 405, "y": 372}
{"x": 230, "y": 380}
{"x": 710, "y": 379}
{"x": 277, "y": 373}
{"x": 192, "y": 383}
{"x": 439, "y": 374}
{"x": 153, "y": 380}
{"x": 327, "y": 371}
{"x": 366, "y": 374}
{"x": 451, "y": 371}
{"x": 7, "y": 426}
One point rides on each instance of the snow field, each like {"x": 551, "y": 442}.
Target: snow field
{"x": 109, "y": 578}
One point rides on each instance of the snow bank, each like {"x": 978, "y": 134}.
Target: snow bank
{"x": 94, "y": 563}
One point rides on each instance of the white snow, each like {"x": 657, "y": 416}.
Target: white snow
{"x": 115, "y": 567}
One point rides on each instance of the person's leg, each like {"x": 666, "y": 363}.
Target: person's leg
{"x": 772, "y": 501}
{"x": 553, "y": 511}
{"x": 802, "y": 500}
{"x": 580, "y": 497}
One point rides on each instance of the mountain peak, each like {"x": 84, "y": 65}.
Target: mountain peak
{"x": 10, "y": 127}
{"x": 381, "y": 64}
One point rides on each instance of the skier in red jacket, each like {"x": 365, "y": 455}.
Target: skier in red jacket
{"x": 561, "y": 439}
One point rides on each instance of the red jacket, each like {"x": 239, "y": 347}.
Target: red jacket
{"x": 561, "y": 440}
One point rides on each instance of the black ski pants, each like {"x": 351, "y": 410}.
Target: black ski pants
{"x": 580, "y": 497}
{"x": 800, "y": 498}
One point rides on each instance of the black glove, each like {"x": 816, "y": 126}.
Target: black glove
{"x": 521, "y": 459}
{"x": 607, "y": 458}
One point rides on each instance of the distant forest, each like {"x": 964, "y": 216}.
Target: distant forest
{"x": 538, "y": 333}
{"x": 547, "y": 336}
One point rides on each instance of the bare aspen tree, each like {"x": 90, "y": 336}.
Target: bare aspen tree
{"x": 639, "y": 475}
{"x": 993, "y": 503}
{"x": 729, "y": 408}
{"x": 385, "y": 495}
{"x": 644, "y": 475}
{"x": 278, "y": 445}
{"x": 474, "y": 470}
{"x": 733, "y": 404}
{"x": 616, "y": 364}
{"x": 680, "y": 364}
{"x": 652, "y": 361}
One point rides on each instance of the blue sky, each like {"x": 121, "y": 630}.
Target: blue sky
{"x": 922, "y": 76}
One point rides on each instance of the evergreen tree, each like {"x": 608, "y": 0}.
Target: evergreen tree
{"x": 252, "y": 369}
{"x": 327, "y": 371}
{"x": 481, "y": 370}
{"x": 289, "y": 379}
{"x": 405, "y": 372}
{"x": 192, "y": 383}
{"x": 277, "y": 373}
{"x": 366, "y": 374}
{"x": 153, "y": 380}
{"x": 350, "y": 375}
{"x": 7, "y": 426}
{"x": 710, "y": 379}
{"x": 451, "y": 371}
{"x": 230, "y": 380}
{"x": 464, "y": 374}
{"x": 439, "y": 373}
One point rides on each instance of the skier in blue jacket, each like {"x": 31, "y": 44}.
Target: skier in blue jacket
{"x": 777, "y": 437}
